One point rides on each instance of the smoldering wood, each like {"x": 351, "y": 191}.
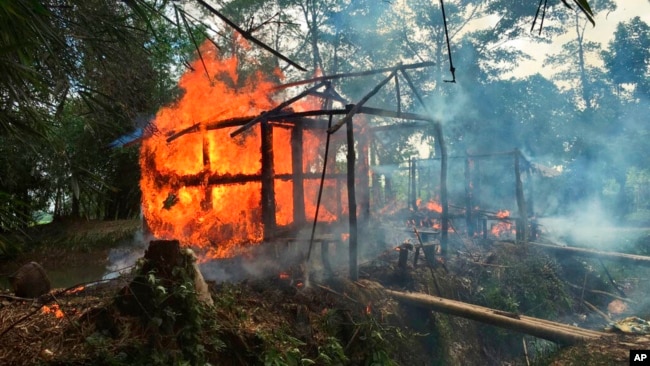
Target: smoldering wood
{"x": 546, "y": 329}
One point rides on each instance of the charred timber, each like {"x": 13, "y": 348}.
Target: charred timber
{"x": 265, "y": 116}
{"x": 552, "y": 331}
{"x": 356, "y": 107}
{"x": 288, "y": 116}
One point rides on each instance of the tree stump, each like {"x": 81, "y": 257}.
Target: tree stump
{"x": 168, "y": 277}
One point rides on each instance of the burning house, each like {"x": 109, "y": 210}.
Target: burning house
{"x": 229, "y": 166}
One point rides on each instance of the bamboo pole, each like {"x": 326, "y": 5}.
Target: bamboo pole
{"x": 556, "y": 332}
{"x": 593, "y": 253}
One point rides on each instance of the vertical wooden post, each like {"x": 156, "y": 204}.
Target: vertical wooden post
{"x": 206, "y": 203}
{"x": 364, "y": 177}
{"x": 534, "y": 229}
{"x": 444, "y": 201}
{"x": 268, "y": 184}
{"x": 298, "y": 175}
{"x": 352, "y": 202}
{"x": 469, "y": 219}
{"x": 522, "y": 222}
{"x": 414, "y": 195}
{"x": 530, "y": 206}
{"x": 339, "y": 198}
{"x": 377, "y": 196}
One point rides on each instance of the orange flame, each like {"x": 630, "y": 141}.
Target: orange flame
{"x": 178, "y": 201}
{"x": 434, "y": 206}
{"x": 54, "y": 309}
{"x": 502, "y": 228}
{"x": 503, "y": 214}
{"x": 75, "y": 290}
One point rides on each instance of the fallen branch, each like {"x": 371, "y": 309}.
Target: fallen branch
{"x": 603, "y": 293}
{"x": 597, "y": 311}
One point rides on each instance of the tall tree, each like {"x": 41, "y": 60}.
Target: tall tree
{"x": 628, "y": 58}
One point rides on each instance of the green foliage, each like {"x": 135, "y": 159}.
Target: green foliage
{"x": 629, "y": 54}
{"x": 531, "y": 286}
{"x": 281, "y": 349}
{"x": 331, "y": 353}
{"x": 374, "y": 343}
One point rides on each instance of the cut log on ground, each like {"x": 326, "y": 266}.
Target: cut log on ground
{"x": 552, "y": 331}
